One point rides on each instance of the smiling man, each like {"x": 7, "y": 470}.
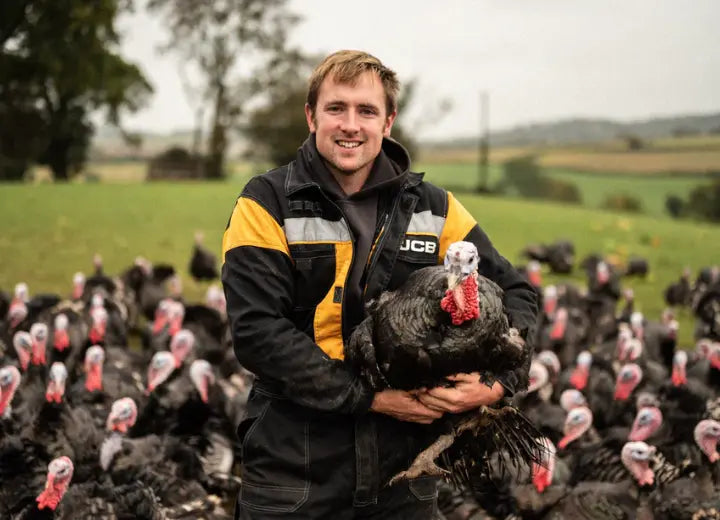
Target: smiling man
{"x": 307, "y": 246}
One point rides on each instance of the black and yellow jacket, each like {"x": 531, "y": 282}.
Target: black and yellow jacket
{"x": 288, "y": 252}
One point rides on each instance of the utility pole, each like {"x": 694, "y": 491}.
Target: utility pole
{"x": 484, "y": 143}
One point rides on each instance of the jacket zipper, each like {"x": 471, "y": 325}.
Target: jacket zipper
{"x": 381, "y": 240}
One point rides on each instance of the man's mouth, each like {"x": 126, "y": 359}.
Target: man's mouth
{"x": 348, "y": 144}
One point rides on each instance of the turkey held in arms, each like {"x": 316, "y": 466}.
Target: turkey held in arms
{"x": 448, "y": 319}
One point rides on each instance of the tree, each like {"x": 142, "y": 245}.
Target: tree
{"x": 525, "y": 176}
{"x": 217, "y": 38}
{"x": 277, "y": 126}
{"x": 704, "y": 201}
{"x": 633, "y": 142}
{"x": 59, "y": 63}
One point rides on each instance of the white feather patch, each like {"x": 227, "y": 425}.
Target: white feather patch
{"x": 110, "y": 447}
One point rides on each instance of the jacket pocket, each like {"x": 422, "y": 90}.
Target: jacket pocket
{"x": 314, "y": 273}
{"x": 424, "y": 488}
{"x": 276, "y": 458}
{"x": 416, "y": 252}
{"x": 256, "y": 408}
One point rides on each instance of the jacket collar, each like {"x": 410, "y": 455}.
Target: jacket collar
{"x": 300, "y": 176}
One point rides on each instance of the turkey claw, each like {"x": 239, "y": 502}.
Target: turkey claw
{"x": 419, "y": 470}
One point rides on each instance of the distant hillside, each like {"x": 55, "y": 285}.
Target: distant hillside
{"x": 108, "y": 144}
{"x": 575, "y": 131}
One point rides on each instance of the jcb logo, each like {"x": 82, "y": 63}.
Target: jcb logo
{"x": 419, "y": 246}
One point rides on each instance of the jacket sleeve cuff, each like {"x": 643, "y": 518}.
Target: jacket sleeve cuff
{"x": 364, "y": 399}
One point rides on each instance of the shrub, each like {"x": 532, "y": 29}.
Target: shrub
{"x": 704, "y": 201}
{"x": 674, "y": 206}
{"x": 633, "y": 142}
{"x": 562, "y": 191}
{"x": 622, "y": 202}
{"x": 526, "y": 177}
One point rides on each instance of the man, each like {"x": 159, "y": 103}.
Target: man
{"x": 306, "y": 246}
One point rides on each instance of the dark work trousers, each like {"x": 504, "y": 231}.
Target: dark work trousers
{"x": 300, "y": 463}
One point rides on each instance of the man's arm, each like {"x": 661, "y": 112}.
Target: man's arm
{"x": 258, "y": 281}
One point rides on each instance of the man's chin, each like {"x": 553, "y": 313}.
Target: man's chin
{"x": 346, "y": 168}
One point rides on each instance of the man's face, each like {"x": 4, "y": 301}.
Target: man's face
{"x": 350, "y": 122}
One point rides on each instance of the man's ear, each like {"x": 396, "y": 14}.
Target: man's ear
{"x": 388, "y": 123}
{"x": 310, "y": 117}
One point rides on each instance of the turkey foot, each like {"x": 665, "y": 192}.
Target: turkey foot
{"x": 424, "y": 463}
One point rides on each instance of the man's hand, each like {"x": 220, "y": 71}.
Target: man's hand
{"x": 467, "y": 394}
{"x": 403, "y": 406}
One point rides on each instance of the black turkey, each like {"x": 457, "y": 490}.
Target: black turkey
{"x": 203, "y": 264}
{"x": 446, "y": 320}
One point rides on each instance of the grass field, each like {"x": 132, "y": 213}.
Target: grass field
{"x": 594, "y": 187}
{"x": 51, "y": 231}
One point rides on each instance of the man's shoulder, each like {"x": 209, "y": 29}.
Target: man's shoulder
{"x": 267, "y": 189}
{"x": 274, "y": 177}
{"x": 270, "y": 183}
{"x": 431, "y": 196}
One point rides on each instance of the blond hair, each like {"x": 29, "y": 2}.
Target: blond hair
{"x": 345, "y": 67}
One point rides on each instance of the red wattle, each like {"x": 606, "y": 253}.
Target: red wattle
{"x": 558, "y": 330}
{"x": 623, "y": 391}
{"x": 175, "y": 327}
{"x": 96, "y": 335}
{"x": 678, "y": 377}
{"x": 50, "y": 498}
{"x": 94, "y": 380}
{"x": 53, "y": 396}
{"x": 448, "y": 303}
{"x": 4, "y": 401}
{"x": 535, "y": 279}
{"x": 549, "y": 307}
{"x": 541, "y": 478}
{"x": 61, "y": 341}
{"x": 468, "y": 290}
{"x": 121, "y": 427}
{"x": 24, "y": 359}
{"x": 204, "y": 393}
{"x": 579, "y": 378}
{"x": 159, "y": 324}
{"x": 38, "y": 355}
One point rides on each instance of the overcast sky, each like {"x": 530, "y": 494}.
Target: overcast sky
{"x": 539, "y": 60}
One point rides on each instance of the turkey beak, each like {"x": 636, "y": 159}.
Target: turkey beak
{"x": 204, "y": 388}
{"x": 453, "y": 277}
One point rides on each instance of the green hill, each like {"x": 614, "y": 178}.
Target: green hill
{"x": 52, "y": 231}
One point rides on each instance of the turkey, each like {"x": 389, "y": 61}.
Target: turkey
{"x": 446, "y": 320}
{"x": 203, "y": 264}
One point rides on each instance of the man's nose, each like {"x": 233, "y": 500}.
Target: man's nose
{"x": 350, "y": 121}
